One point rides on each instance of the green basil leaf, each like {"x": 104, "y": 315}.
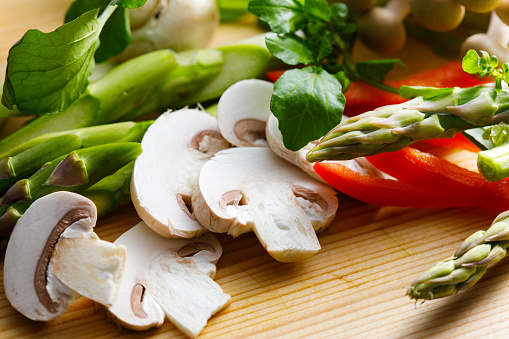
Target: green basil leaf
{"x": 318, "y": 9}
{"x": 376, "y": 69}
{"x": 116, "y": 34}
{"x": 427, "y": 93}
{"x": 46, "y": 72}
{"x": 283, "y": 16}
{"x": 289, "y": 48}
{"x": 308, "y": 103}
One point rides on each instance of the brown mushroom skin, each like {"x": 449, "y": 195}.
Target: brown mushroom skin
{"x": 480, "y": 6}
{"x": 438, "y": 15}
{"x": 381, "y": 30}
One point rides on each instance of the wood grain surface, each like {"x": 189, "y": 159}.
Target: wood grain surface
{"x": 353, "y": 288}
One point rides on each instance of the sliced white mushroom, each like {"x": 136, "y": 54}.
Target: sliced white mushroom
{"x": 252, "y": 189}
{"x": 53, "y": 254}
{"x": 298, "y": 158}
{"x": 171, "y": 277}
{"x": 174, "y": 147}
{"x": 243, "y": 110}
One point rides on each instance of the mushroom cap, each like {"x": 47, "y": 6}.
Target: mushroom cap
{"x": 29, "y": 286}
{"x": 178, "y": 25}
{"x": 438, "y": 15}
{"x": 140, "y": 16}
{"x": 250, "y": 188}
{"x": 480, "y": 6}
{"x": 174, "y": 147}
{"x": 169, "y": 277}
{"x": 381, "y": 30}
{"x": 243, "y": 110}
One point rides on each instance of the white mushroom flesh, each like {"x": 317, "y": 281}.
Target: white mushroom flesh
{"x": 243, "y": 110}
{"x": 30, "y": 284}
{"x": 171, "y": 277}
{"x": 174, "y": 149}
{"x": 251, "y": 189}
{"x": 298, "y": 158}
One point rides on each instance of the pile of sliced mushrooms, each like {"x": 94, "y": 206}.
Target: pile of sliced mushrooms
{"x": 197, "y": 175}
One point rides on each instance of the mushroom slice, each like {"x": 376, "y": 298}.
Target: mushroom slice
{"x": 174, "y": 147}
{"x": 243, "y": 110}
{"x": 250, "y": 188}
{"x": 37, "y": 279}
{"x": 298, "y": 158}
{"x": 171, "y": 277}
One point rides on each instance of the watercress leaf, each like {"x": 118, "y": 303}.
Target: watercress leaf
{"x": 130, "y": 3}
{"x": 46, "y": 72}
{"x": 471, "y": 62}
{"x": 343, "y": 80}
{"x": 308, "y": 103}
{"x": 318, "y": 9}
{"x": 427, "y": 93}
{"x": 339, "y": 11}
{"x": 325, "y": 47}
{"x": 376, "y": 69}
{"x": 289, "y": 48}
{"x": 283, "y": 16}
{"x": 116, "y": 34}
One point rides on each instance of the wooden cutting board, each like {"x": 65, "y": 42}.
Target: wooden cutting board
{"x": 353, "y": 288}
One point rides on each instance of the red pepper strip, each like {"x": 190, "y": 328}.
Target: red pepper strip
{"x": 436, "y": 175}
{"x": 458, "y": 141}
{"x": 362, "y": 97}
{"x": 275, "y": 74}
{"x": 378, "y": 191}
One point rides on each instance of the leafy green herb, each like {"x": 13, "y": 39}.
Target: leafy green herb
{"x": 486, "y": 65}
{"x": 314, "y": 35}
{"x": 47, "y": 72}
{"x": 300, "y": 94}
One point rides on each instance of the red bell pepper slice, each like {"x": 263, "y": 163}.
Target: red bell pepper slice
{"x": 459, "y": 141}
{"x": 378, "y": 191}
{"x": 439, "y": 176}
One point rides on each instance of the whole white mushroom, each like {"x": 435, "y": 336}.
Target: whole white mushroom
{"x": 175, "y": 24}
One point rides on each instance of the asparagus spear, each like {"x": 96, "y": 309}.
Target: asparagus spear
{"x": 468, "y": 264}
{"x": 111, "y": 191}
{"x": 74, "y": 172}
{"x": 24, "y": 160}
{"x": 438, "y": 113}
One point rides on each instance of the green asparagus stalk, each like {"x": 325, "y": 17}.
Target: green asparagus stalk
{"x": 111, "y": 191}
{"x": 24, "y": 160}
{"x": 107, "y": 100}
{"x": 74, "y": 172}
{"x": 439, "y": 113}
{"x": 468, "y": 264}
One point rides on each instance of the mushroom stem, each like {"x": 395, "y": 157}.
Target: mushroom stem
{"x": 498, "y": 30}
{"x": 495, "y": 41}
